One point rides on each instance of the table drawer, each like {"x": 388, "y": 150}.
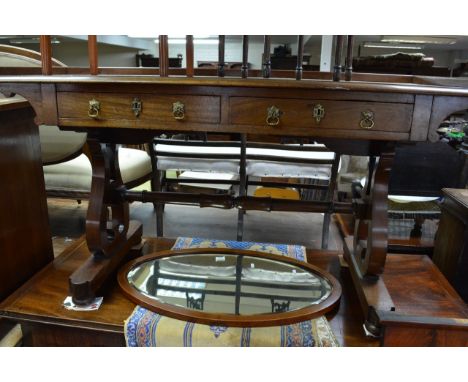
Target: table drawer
{"x": 156, "y": 108}
{"x": 329, "y": 114}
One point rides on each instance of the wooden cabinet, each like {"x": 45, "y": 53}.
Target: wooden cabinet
{"x": 451, "y": 244}
{"x": 25, "y": 242}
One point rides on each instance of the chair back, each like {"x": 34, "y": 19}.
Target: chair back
{"x": 425, "y": 168}
{"x": 56, "y": 145}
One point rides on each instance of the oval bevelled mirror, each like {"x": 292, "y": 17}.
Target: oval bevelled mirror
{"x": 209, "y": 285}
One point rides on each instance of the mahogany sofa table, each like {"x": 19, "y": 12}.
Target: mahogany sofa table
{"x": 370, "y": 115}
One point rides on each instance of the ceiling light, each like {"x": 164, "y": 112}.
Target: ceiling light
{"x": 390, "y": 46}
{"x": 139, "y": 36}
{"x": 420, "y": 40}
{"x": 31, "y": 40}
{"x": 196, "y": 41}
{"x": 176, "y": 37}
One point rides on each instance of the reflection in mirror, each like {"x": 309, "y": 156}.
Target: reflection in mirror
{"x": 225, "y": 283}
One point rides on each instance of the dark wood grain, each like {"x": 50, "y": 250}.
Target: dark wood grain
{"x": 37, "y": 334}
{"x": 426, "y": 295}
{"x": 300, "y": 55}
{"x": 451, "y": 243}
{"x": 88, "y": 279}
{"x": 245, "y": 56}
{"x": 366, "y": 83}
{"x": 372, "y": 292}
{"x": 411, "y": 294}
{"x": 109, "y": 232}
{"x": 25, "y": 243}
{"x": 266, "y": 57}
{"x": 378, "y": 227}
{"x": 418, "y": 288}
{"x": 421, "y": 118}
{"x": 61, "y": 327}
{"x": 205, "y": 71}
{"x": 338, "y": 54}
{"x": 404, "y": 337}
{"x": 189, "y": 55}
{"x": 221, "y": 49}
{"x": 277, "y": 73}
{"x": 165, "y": 87}
{"x": 46, "y": 55}
{"x": 93, "y": 55}
{"x": 163, "y": 56}
{"x": 349, "y": 58}
{"x": 43, "y": 107}
{"x": 339, "y": 115}
{"x": 155, "y": 109}
{"x": 104, "y": 209}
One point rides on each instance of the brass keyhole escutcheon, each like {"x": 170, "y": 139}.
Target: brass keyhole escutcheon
{"x": 367, "y": 120}
{"x": 137, "y": 107}
{"x": 273, "y": 116}
{"x": 93, "y": 108}
{"x": 178, "y": 110}
{"x": 318, "y": 112}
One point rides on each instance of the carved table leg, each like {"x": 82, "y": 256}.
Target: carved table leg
{"x": 367, "y": 254}
{"x": 371, "y": 228}
{"x": 108, "y": 217}
{"x": 109, "y": 232}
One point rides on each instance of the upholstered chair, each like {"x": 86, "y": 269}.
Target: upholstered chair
{"x": 67, "y": 169}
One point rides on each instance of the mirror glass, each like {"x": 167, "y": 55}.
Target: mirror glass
{"x": 229, "y": 283}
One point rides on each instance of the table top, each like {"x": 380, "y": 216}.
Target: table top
{"x": 384, "y": 83}
{"x": 459, "y": 195}
{"x": 232, "y": 287}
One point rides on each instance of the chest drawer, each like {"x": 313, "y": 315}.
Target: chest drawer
{"x": 321, "y": 114}
{"x": 136, "y": 107}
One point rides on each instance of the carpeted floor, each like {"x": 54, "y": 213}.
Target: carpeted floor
{"x": 67, "y": 219}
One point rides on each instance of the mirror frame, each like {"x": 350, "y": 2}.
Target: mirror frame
{"x": 254, "y": 320}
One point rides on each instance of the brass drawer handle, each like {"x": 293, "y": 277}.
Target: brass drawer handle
{"x": 178, "y": 110}
{"x": 136, "y": 106}
{"x": 94, "y": 108}
{"x": 367, "y": 120}
{"x": 273, "y": 116}
{"x": 318, "y": 112}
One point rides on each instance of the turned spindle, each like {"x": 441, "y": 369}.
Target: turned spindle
{"x": 267, "y": 57}
{"x": 46, "y": 55}
{"x": 338, "y": 54}
{"x": 349, "y": 59}
{"x": 93, "y": 55}
{"x": 163, "y": 56}
{"x": 300, "y": 54}
{"x": 221, "y": 63}
{"x": 245, "y": 56}
{"x": 189, "y": 55}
